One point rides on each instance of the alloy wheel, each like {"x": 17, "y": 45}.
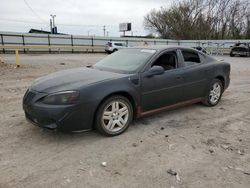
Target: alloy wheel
{"x": 215, "y": 93}
{"x": 115, "y": 116}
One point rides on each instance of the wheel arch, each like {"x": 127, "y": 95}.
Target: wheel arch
{"x": 222, "y": 79}
{"x": 121, "y": 93}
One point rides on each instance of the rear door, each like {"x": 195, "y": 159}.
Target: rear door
{"x": 194, "y": 74}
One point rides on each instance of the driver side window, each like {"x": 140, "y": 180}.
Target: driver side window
{"x": 168, "y": 61}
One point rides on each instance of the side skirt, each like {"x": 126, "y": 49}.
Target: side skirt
{"x": 166, "y": 108}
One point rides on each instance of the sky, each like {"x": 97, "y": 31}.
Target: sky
{"x": 77, "y": 17}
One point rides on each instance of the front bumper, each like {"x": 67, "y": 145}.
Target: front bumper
{"x": 61, "y": 117}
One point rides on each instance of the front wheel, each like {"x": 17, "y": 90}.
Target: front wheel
{"x": 214, "y": 94}
{"x": 114, "y": 116}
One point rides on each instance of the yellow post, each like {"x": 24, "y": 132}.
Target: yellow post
{"x": 1, "y": 60}
{"x": 17, "y": 58}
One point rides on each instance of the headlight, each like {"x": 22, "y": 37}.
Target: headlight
{"x": 62, "y": 98}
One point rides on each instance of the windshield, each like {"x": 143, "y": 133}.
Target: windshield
{"x": 125, "y": 61}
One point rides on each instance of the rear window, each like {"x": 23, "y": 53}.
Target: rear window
{"x": 120, "y": 44}
{"x": 241, "y": 44}
{"x": 190, "y": 57}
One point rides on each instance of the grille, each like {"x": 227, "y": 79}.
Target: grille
{"x": 28, "y": 97}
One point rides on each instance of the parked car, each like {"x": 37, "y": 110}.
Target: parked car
{"x": 241, "y": 49}
{"x": 114, "y": 46}
{"x": 128, "y": 84}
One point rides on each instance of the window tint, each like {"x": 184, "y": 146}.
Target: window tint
{"x": 168, "y": 61}
{"x": 190, "y": 57}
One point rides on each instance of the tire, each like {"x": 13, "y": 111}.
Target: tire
{"x": 114, "y": 116}
{"x": 214, "y": 93}
{"x": 115, "y": 50}
{"x": 231, "y": 54}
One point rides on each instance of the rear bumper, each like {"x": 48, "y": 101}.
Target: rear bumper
{"x": 227, "y": 80}
{"x": 227, "y": 83}
{"x": 108, "y": 51}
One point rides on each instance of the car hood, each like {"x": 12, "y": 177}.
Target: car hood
{"x": 72, "y": 79}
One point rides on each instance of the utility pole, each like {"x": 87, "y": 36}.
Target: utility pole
{"x": 54, "y": 29}
{"x": 53, "y": 19}
{"x": 51, "y": 27}
{"x": 104, "y": 30}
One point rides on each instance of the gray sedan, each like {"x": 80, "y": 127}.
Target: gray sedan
{"x": 128, "y": 84}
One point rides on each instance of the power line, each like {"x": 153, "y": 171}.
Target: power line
{"x": 21, "y": 21}
{"x": 61, "y": 24}
{"x": 32, "y": 10}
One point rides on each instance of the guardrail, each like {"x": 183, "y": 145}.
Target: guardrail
{"x": 65, "y": 43}
{"x": 29, "y": 43}
{"x": 17, "y": 48}
{"x": 58, "y": 47}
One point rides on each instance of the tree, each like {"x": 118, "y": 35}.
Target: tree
{"x": 201, "y": 19}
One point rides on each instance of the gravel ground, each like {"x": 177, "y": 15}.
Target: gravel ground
{"x": 206, "y": 147}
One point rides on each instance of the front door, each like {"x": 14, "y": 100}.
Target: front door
{"x": 162, "y": 90}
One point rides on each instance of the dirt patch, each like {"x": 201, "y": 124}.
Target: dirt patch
{"x": 204, "y": 147}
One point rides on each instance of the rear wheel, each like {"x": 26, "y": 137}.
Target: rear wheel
{"x": 114, "y": 116}
{"x": 214, "y": 94}
{"x": 231, "y": 54}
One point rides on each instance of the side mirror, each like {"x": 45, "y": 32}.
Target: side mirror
{"x": 155, "y": 70}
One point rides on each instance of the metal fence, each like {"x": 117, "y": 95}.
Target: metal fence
{"x": 64, "y": 42}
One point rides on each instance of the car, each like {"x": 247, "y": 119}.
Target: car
{"x": 241, "y": 49}
{"x": 131, "y": 83}
{"x": 115, "y": 46}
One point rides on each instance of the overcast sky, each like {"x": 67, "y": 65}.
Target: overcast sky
{"x": 76, "y": 16}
